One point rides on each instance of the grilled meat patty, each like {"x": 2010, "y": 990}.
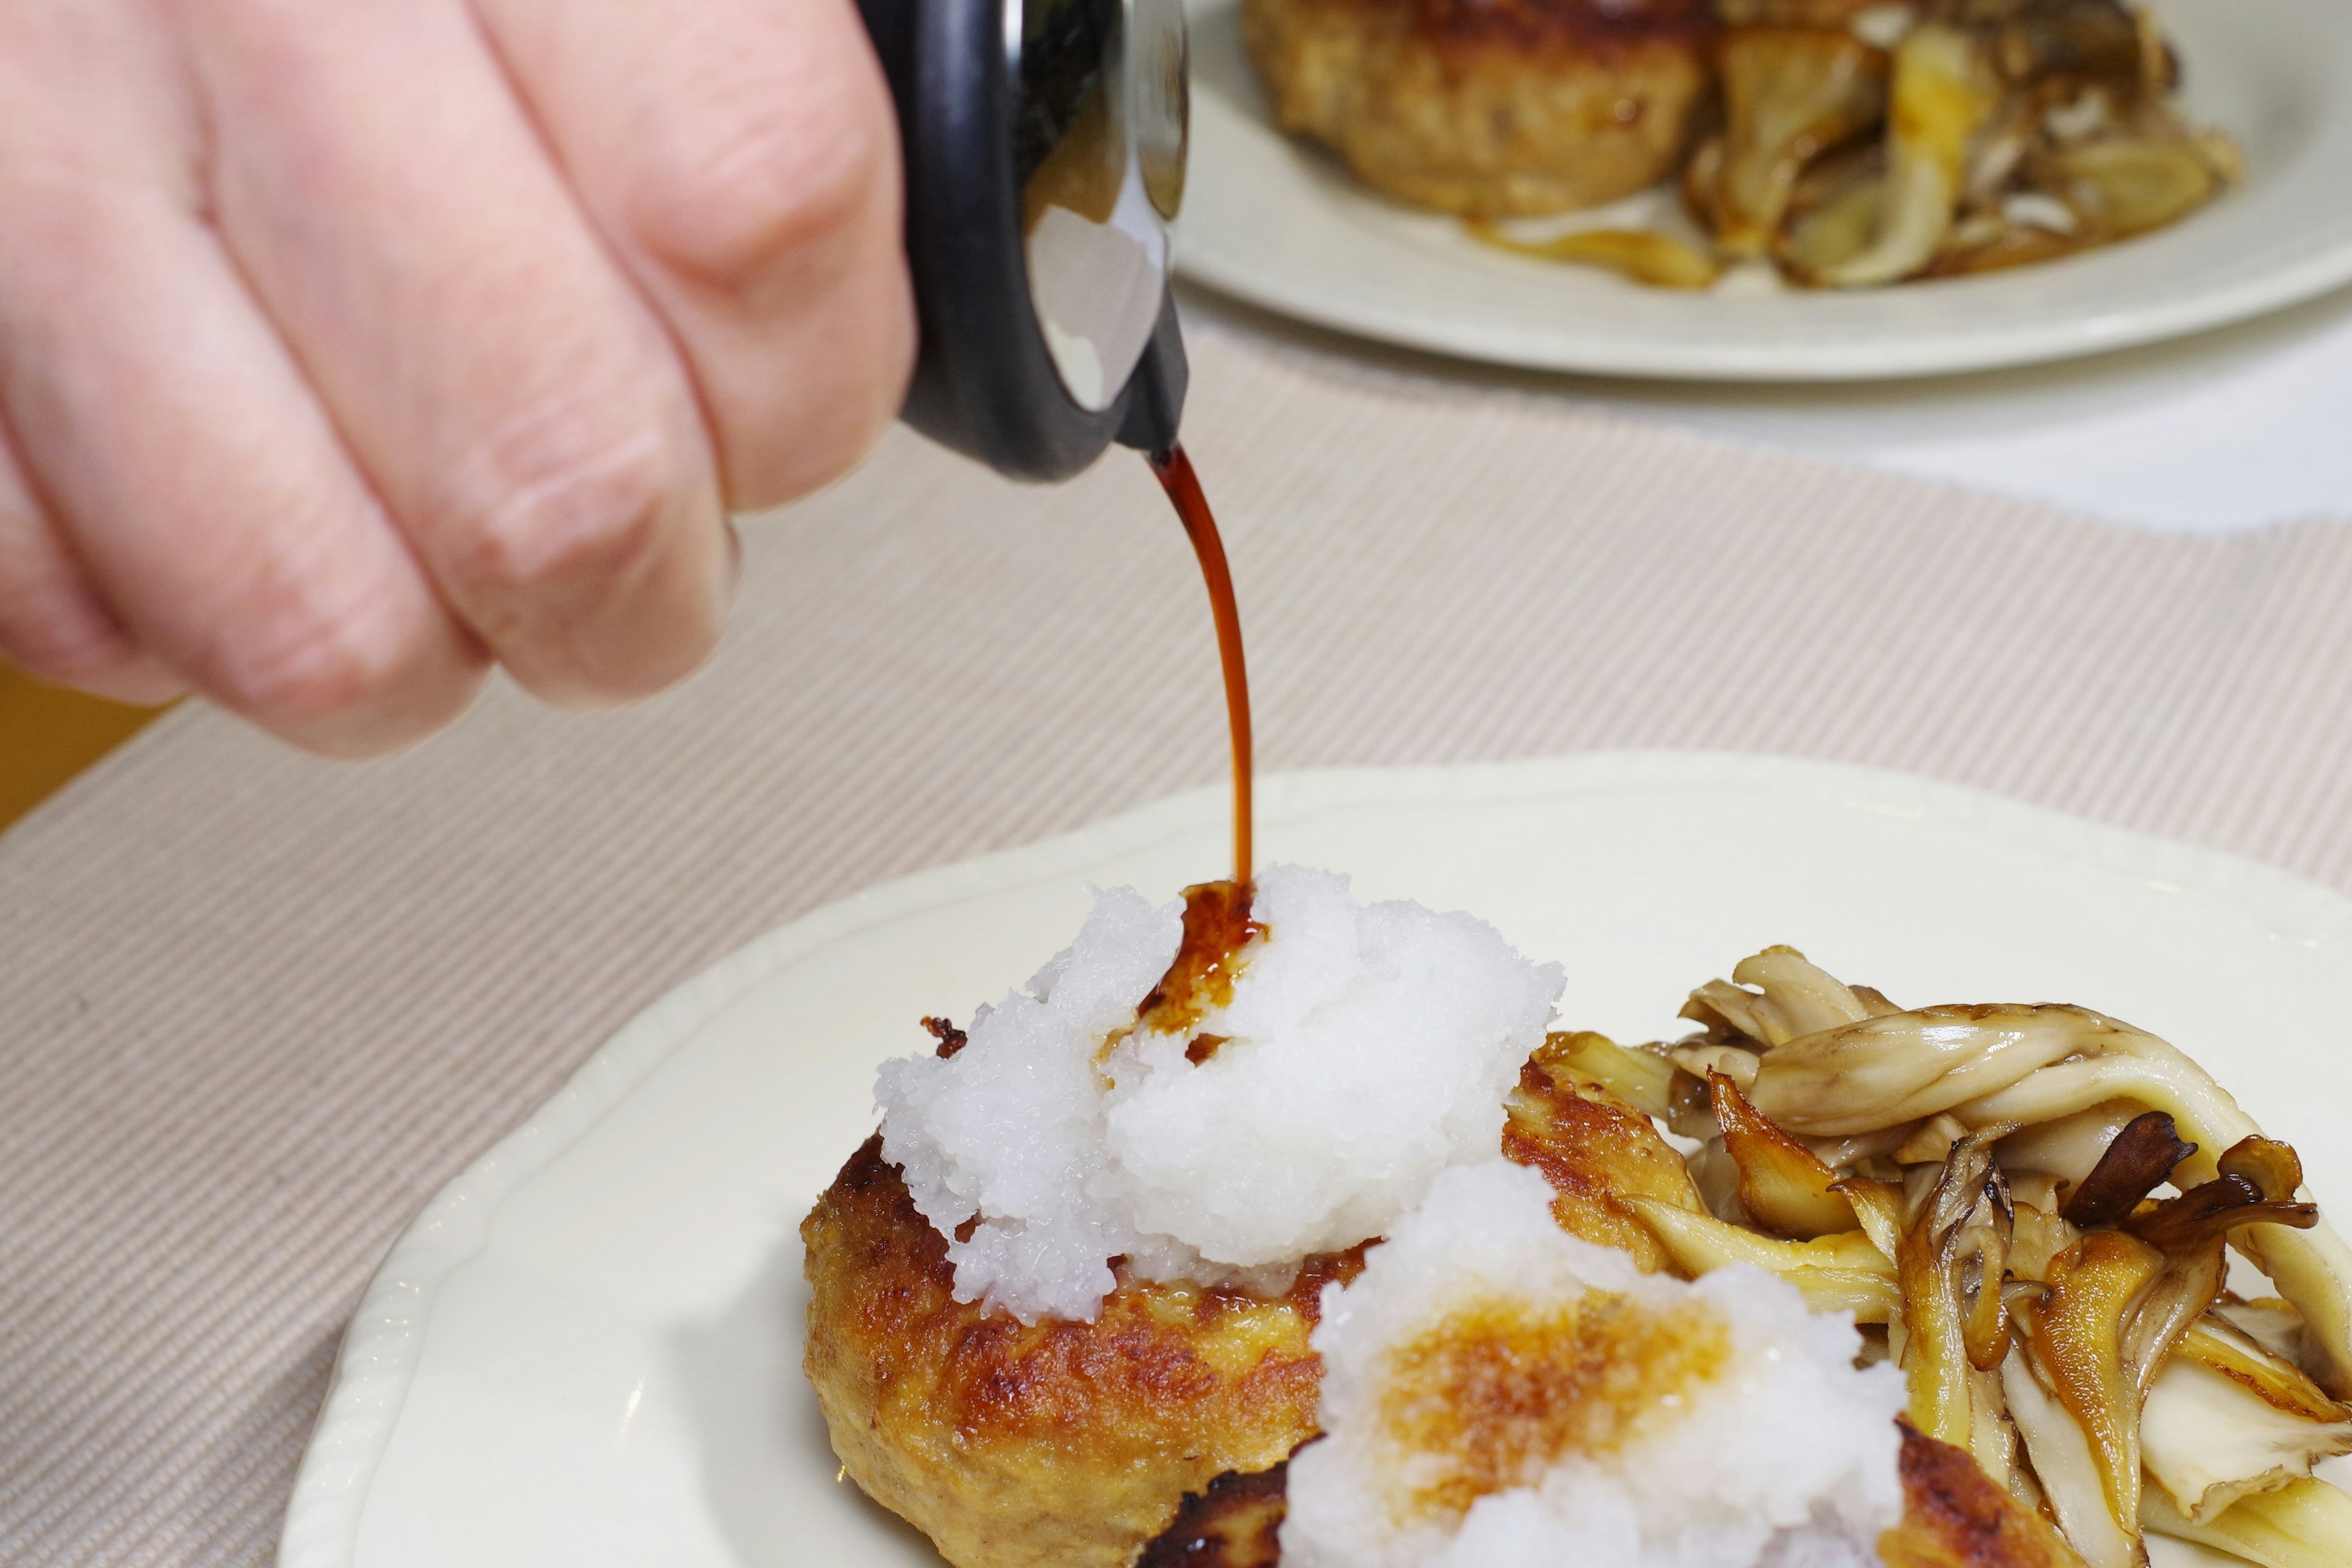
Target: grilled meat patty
{"x": 1060, "y": 1443}
{"x": 1071, "y": 1444}
{"x": 1489, "y": 108}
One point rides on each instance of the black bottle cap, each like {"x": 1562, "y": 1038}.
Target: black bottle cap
{"x": 974, "y": 134}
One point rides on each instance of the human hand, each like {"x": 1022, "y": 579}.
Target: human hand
{"x": 347, "y": 346}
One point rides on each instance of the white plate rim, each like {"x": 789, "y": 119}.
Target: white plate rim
{"x": 2304, "y": 273}
{"x": 381, "y": 1348}
{"x": 1826, "y": 363}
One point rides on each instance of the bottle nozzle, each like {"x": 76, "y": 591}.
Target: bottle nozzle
{"x": 1155, "y": 395}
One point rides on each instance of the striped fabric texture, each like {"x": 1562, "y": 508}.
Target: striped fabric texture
{"x": 255, "y": 1008}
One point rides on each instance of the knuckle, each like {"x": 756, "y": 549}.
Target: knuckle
{"x": 52, "y": 627}
{"x": 556, "y": 516}
{"x": 64, "y": 644}
{"x": 850, "y": 384}
{"x": 356, "y": 679}
{"x": 319, "y": 654}
{"x": 830, "y": 442}
{"x": 737, "y": 193}
{"x": 304, "y": 666}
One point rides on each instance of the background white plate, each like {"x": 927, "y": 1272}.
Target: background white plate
{"x": 587, "y": 1351}
{"x": 1283, "y": 225}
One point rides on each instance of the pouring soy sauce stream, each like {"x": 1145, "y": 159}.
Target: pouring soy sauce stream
{"x": 1044, "y": 144}
{"x": 1184, "y": 487}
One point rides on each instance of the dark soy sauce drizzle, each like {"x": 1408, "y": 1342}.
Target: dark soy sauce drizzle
{"x": 1217, "y": 924}
{"x": 1184, "y": 487}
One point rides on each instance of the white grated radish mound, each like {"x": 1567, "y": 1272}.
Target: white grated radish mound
{"x": 1366, "y": 1049}
{"x": 1011, "y": 1127}
{"x": 1775, "y": 1454}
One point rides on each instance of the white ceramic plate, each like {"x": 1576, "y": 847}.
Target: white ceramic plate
{"x": 1285, "y": 227}
{"x": 587, "y": 1351}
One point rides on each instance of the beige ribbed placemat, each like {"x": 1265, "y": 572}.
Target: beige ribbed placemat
{"x": 254, "y": 1009}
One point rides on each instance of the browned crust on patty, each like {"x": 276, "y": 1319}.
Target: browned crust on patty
{"x": 1954, "y": 1516}
{"x": 1578, "y": 28}
{"x": 1491, "y": 108}
{"x": 1061, "y": 1443}
{"x": 1234, "y": 1522}
{"x": 1596, "y": 1150}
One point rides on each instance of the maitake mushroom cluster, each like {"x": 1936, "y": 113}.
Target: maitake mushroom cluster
{"x": 1860, "y": 142}
{"x": 1985, "y": 133}
{"x": 1984, "y": 1187}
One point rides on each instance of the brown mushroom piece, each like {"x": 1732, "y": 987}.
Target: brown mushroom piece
{"x": 2065, "y": 1454}
{"x": 2140, "y": 1157}
{"x": 2069, "y": 38}
{"x": 2270, "y": 1321}
{"x": 2002, "y": 245}
{"x": 1952, "y": 1325}
{"x": 2304, "y": 1524}
{"x": 2098, "y": 1344}
{"x": 1783, "y": 1187}
{"x": 1641, "y": 255}
{"x": 2307, "y": 1262}
{"x": 2225, "y": 1419}
{"x": 2098, "y": 1335}
{"x": 1943, "y": 90}
{"x": 2065, "y": 1076}
{"x": 2138, "y": 1160}
{"x": 2183, "y": 1292}
{"x": 1834, "y": 1273}
{"x": 2128, "y": 184}
{"x": 1643, "y": 1076}
{"x": 1833, "y": 214}
{"x": 2218, "y": 1206}
{"x": 1902, "y": 1067}
{"x": 1788, "y": 94}
{"x": 1775, "y": 997}
{"x": 2068, "y": 1148}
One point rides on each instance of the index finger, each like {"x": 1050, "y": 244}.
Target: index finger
{"x": 740, "y": 159}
